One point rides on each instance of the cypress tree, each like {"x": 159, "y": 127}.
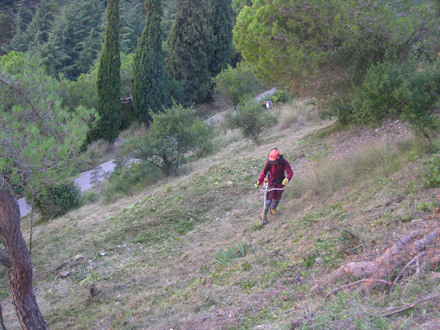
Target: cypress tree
{"x": 109, "y": 77}
{"x": 221, "y": 24}
{"x": 189, "y": 45}
{"x": 150, "y": 86}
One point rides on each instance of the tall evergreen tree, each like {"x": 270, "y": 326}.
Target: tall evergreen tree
{"x": 189, "y": 45}
{"x": 109, "y": 77}
{"x": 132, "y": 24}
{"x": 221, "y": 23}
{"x": 53, "y": 52}
{"x": 150, "y": 86}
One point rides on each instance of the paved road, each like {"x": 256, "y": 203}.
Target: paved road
{"x": 85, "y": 181}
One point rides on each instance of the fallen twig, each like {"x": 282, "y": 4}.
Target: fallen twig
{"x": 405, "y": 268}
{"x": 353, "y": 284}
{"x": 355, "y": 248}
{"x": 409, "y": 306}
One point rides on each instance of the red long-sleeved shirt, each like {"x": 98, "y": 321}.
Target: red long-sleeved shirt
{"x": 276, "y": 172}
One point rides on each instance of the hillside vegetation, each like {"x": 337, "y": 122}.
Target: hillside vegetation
{"x": 189, "y": 252}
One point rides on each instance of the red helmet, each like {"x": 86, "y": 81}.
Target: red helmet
{"x": 274, "y": 154}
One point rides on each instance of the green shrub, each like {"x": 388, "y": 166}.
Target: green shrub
{"x": 251, "y": 119}
{"x": 280, "y": 97}
{"x": 234, "y": 85}
{"x": 409, "y": 91}
{"x": 125, "y": 179}
{"x": 173, "y": 133}
{"x": 56, "y": 200}
{"x": 432, "y": 172}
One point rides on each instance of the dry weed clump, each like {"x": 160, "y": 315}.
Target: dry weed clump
{"x": 299, "y": 111}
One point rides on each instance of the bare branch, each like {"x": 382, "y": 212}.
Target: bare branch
{"x": 407, "y": 307}
{"x": 17, "y": 90}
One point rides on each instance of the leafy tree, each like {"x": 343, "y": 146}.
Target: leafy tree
{"x": 235, "y": 85}
{"x": 293, "y": 41}
{"x": 221, "y": 25}
{"x": 109, "y": 78}
{"x": 150, "y": 85}
{"x": 188, "y": 46}
{"x": 173, "y": 133}
{"x": 38, "y": 141}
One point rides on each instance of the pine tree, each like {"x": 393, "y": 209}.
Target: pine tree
{"x": 189, "y": 45}
{"x": 221, "y": 24}
{"x": 132, "y": 24}
{"x": 109, "y": 77}
{"x": 53, "y": 52}
{"x": 150, "y": 87}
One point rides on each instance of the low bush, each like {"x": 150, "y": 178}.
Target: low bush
{"x": 251, "y": 119}
{"x": 280, "y": 96}
{"x": 408, "y": 90}
{"x": 125, "y": 180}
{"x": 432, "y": 172}
{"x": 56, "y": 200}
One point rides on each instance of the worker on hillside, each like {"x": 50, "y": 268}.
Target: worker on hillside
{"x": 280, "y": 173}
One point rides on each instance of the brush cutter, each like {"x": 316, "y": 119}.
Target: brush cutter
{"x": 264, "y": 192}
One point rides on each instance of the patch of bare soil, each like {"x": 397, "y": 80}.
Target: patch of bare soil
{"x": 344, "y": 143}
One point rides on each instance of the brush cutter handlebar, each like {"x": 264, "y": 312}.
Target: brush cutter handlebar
{"x": 265, "y": 185}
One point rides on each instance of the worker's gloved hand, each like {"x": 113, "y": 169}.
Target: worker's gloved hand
{"x": 285, "y": 181}
{"x": 256, "y": 184}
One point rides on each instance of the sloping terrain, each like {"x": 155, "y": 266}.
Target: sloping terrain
{"x": 190, "y": 253}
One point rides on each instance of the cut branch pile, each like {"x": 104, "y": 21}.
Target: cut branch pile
{"x": 408, "y": 256}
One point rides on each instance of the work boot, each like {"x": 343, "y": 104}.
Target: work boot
{"x": 263, "y": 218}
{"x": 273, "y": 208}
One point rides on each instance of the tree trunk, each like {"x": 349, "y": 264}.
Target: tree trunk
{"x": 20, "y": 272}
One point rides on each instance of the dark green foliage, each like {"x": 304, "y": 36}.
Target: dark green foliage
{"x": 408, "y": 90}
{"x": 189, "y": 46}
{"x": 66, "y": 38}
{"x": 252, "y": 119}
{"x": 109, "y": 77}
{"x": 132, "y": 24}
{"x": 56, "y": 200}
{"x": 150, "y": 83}
{"x": 53, "y": 53}
{"x": 221, "y": 16}
{"x": 237, "y": 5}
{"x": 173, "y": 133}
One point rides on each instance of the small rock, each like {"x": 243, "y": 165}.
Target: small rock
{"x": 64, "y": 274}
{"x": 102, "y": 254}
{"x": 319, "y": 260}
{"x": 230, "y": 184}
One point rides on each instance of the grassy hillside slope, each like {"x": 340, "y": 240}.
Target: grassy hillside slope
{"x": 189, "y": 252}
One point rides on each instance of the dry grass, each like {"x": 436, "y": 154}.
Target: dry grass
{"x": 152, "y": 271}
{"x": 297, "y": 112}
